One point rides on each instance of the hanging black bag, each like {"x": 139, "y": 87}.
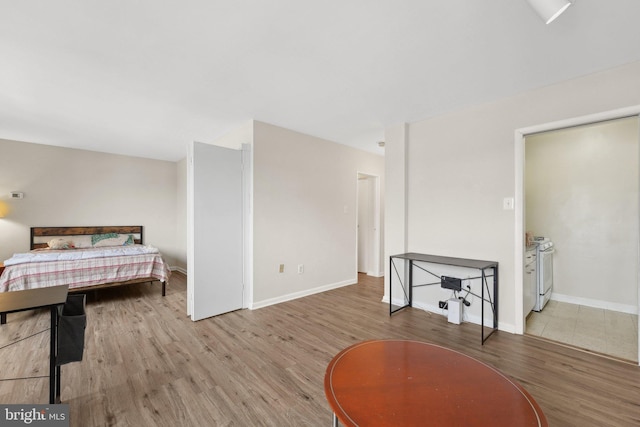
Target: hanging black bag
{"x": 72, "y": 321}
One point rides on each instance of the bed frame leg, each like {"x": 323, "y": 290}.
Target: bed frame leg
{"x": 164, "y": 287}
{"x": 3, "y": 318}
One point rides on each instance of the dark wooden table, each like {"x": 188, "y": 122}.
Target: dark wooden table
{"x": 31, "y": 299}
{"x": 411, "y": 383}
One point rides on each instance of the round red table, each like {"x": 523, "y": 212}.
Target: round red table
{"x": 411, "y": 383}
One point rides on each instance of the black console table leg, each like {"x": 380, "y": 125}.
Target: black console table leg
{"x": 52, "y": 355}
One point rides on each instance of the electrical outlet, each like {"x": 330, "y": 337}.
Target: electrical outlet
{"x": 443, "y": 304}
{"x": 300, "y": 268}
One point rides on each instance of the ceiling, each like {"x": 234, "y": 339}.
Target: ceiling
{"x": 145, "y": 77}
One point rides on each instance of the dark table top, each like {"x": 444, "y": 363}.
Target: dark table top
{"x": 436, "y": 259}
{"x": 32, "y": 298}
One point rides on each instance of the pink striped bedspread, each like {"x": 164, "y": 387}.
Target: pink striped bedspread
{"x": 82, "y": 273}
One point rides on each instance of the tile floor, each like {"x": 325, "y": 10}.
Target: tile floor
{"x": 604, "y": 331}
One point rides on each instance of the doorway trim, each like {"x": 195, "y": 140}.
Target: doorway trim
{"x": 247, "y": 224}
{"x": 519, "y": 137}
{"x": 374, "y": 264}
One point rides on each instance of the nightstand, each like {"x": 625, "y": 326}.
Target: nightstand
{"x": 1, "y": 268}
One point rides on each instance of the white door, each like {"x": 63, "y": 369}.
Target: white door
{"x": 215, "y": 272}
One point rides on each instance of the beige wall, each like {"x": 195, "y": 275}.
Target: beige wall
{"x": 304, "y": 210}
{"x": 582, "y": 192}
{"x": 461, "y": 165}
{"x": 70, "y": 187}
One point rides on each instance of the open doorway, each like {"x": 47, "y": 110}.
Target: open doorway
{"x": 581, "y": 194}
{"x": 368, "y": 225}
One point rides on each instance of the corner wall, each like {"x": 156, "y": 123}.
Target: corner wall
{"x": 305, "y": 198}
{"x": 71, "y": 187}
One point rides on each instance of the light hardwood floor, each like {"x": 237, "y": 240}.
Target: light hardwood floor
{"x": 147, "y": 364}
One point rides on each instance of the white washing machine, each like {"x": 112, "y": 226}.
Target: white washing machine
{"x": 544, "y": 259}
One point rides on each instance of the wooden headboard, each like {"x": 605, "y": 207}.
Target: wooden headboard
{"x": 41, "y": 235}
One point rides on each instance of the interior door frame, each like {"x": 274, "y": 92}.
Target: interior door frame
{"x": 374, "y": 264}
{"x": 363, "y": 211}
{"x": 190, "y": 251}
{"x": 519, "y": 244}
{"x": 247, "y": 226}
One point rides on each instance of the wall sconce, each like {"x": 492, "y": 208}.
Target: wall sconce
{"x": 549, "y": 9}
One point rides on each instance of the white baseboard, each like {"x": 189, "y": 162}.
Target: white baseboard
{"x": 623, "y": 308}
{"x": 178, "y": 269}
{"x": 296, "y": 295}
{"x": 507, "y": 327}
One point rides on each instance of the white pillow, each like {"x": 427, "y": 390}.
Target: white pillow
{"x": 59, "y": 243}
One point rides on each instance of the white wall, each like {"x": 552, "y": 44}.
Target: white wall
{"x": 395, "y": 207}
{"x": 461, "y": 165}
{"x": 70, "y": 187}
{"x": 305, "y": 198}
{"x": 582, "y": 192}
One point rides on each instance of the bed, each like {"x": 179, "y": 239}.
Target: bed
{"x": 85, "y": 258}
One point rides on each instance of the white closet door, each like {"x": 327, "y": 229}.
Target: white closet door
{"x": 217, "y": 237}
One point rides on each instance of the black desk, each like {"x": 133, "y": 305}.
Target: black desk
{"x": 482, "y": 266}
{"x": 52, "y": 297}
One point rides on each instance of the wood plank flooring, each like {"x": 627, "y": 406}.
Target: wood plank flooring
{"x": 147, "y": 364}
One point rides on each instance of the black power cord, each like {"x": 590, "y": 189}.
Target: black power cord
{"x": 464, "y": 299}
